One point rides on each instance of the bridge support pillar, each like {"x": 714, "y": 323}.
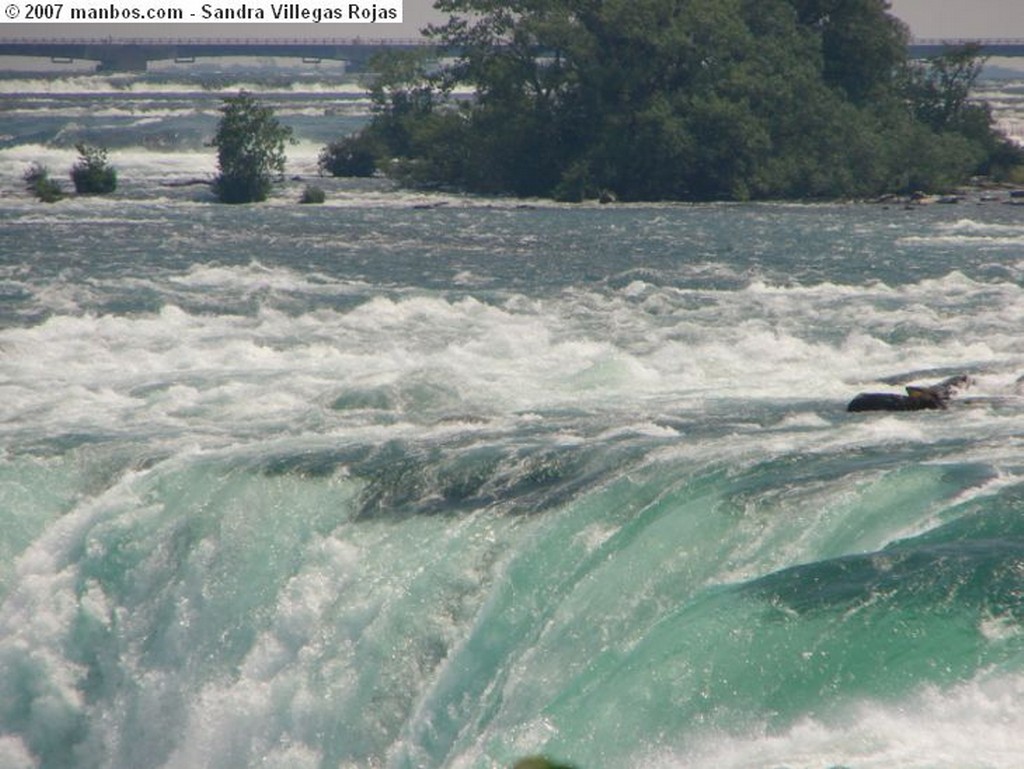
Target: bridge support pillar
{"x": 126, "y": 58}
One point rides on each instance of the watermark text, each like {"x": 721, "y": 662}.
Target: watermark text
{"x": 204, "y": 11}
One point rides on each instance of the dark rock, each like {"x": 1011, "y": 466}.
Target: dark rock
{"x": 916, "y": 398}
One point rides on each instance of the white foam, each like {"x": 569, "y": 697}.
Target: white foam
{"x": 973, "y": 227}
{"x": 978, "y": 724}
{"x": 580, "y": 350}
{"x": 964, "y": 240}
{"x": 132, "y": 85}
{"x": 15, "y": 755}
{"x": 154, "y": 165}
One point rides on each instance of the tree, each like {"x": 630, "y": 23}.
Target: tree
{"x": 861, "y": 44}
{"x": 938, "y": 92}
{"x": 92, "y": 174}
{"x": 677, "y": 99}
{"x": 250, "y": 146}
{"x": 939, "y": 89}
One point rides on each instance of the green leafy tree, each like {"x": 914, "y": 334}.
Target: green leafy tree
{"x": 403, "y": 96}
{"x": 939, "y": 93}
{"x": 939, "y": 89}
{"x": 250, "y": 146}
{"x": 92, "y": 174}
{"x": 680, "y": 99}
{"x": 861, "y": 45}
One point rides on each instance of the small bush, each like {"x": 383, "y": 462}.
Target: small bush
{"x": 351, "y": 156}
{"x": 38, "y": 182}
{"x": 312, "y": 195}
{"x": 92, "y": 174}
{"x": 242, "y": 186}
{"x": 35, "y": 173}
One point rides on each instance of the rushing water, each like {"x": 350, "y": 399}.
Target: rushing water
{"x": 412, "y": 480}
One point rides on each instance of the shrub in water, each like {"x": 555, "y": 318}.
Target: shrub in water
{"x": 92, "y": 174}
{"x": 38, "y": 181}
{"x": 313, "y": 195}
{"x": 250, "y": 148}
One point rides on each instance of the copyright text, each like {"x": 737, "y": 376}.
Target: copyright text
{"x": 192, "y": 11}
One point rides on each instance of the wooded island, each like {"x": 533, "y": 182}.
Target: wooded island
{"x": 676, "y": 100}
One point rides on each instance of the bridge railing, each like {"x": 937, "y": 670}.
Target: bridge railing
{"x": 965, "y": 41}
{"x": 382, "y": 42}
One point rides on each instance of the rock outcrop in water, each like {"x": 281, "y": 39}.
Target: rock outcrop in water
{"x": 916, "y": 398}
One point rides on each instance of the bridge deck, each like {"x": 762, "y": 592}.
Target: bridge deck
{"x": 132, "y": 54}
{"x": 921, "y": 48}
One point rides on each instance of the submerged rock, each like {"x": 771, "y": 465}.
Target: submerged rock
{"x": 539, "y": 762}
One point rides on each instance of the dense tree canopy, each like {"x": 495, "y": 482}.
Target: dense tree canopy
{"x": 679, "y": 99}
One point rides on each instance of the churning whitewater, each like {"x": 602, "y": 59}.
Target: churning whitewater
{"x": 414, "y": 480}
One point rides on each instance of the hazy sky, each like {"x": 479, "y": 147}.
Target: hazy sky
{"x": 927, "y": 18}
{"x": 957, "y": 18}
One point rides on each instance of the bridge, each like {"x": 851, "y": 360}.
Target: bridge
{"x": 924, "y": 48}
{"x": 133, "y": 54}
